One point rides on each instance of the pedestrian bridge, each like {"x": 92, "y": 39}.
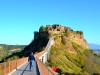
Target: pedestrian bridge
{"x": 21, "y": 66}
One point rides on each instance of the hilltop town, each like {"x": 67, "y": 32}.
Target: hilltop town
{"x": 50, "y": 30}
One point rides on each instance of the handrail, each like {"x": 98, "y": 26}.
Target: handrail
{"x": 49, "y": 42}
{"x": 43, "y": 69}
{"x": 7, "y": 67}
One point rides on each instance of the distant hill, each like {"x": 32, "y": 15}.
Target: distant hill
{"x": 11, "y": 47}
{"x": 6, "y": 50}
{"x": 94, "y": 46}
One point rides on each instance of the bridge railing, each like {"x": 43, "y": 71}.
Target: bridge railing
{"x": 7, "y": 67}
{"x": 43, "y": 69}
{"x": 41, "y": 56}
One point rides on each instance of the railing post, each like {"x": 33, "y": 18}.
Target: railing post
{"x": 8, "y": 67}
{"x": 16, "y": 64}
{"x": 4, "y": 69}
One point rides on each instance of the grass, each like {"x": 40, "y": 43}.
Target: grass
{"x": 73, "y": 64}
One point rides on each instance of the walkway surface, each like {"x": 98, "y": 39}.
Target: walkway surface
{"x": 24, "y": 70}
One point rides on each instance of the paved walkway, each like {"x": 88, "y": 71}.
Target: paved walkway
{"x": 24, "y": 70}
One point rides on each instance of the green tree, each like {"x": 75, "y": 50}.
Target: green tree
{"x": 79, "y": 32}
{"x": 42, "y": 29}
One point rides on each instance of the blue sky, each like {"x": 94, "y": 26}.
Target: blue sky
{"x": 20, "y": 18}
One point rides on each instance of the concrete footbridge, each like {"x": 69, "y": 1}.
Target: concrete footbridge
{"x": 21, "y": 66}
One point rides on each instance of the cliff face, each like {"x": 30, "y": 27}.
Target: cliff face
{"x": 79, "y": 39}
{"x": 75, "y": 36}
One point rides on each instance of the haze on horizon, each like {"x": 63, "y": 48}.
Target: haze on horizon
{"x": 20, "y": 18}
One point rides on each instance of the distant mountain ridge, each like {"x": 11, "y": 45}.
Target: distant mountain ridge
{"x": 94, "y": 46}
{"x": 7, "y": 50}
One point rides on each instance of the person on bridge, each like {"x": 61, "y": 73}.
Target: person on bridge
{"x": 31, "y": 60}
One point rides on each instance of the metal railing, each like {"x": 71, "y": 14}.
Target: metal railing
{"x": 42, "y": 68}
{"x": 7, "y": 67}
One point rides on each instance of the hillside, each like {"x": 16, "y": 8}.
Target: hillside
{"x": 72, "y": 58}
{"x": 11, "y": 47}
{"x": 7, "y": 50}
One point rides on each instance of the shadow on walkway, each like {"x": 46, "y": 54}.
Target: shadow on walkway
{"x": 24, "y": 70}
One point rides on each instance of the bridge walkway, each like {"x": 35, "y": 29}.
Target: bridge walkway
{"x": 24, "y": 70}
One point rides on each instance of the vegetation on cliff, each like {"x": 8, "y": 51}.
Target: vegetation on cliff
{"x": 73, "y": 59}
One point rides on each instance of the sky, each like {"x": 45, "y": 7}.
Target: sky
{"x": 20, "y": 18}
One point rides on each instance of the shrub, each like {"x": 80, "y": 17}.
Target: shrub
{"x": 79, "y": 32}
{"x": 14, "y": 58}
{"x": 43, "y": 29}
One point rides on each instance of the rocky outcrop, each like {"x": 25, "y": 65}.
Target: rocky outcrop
{"x": 75, "y": 36}
{"x": 79, "y": 39}
{"x": 42, "y": 36}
